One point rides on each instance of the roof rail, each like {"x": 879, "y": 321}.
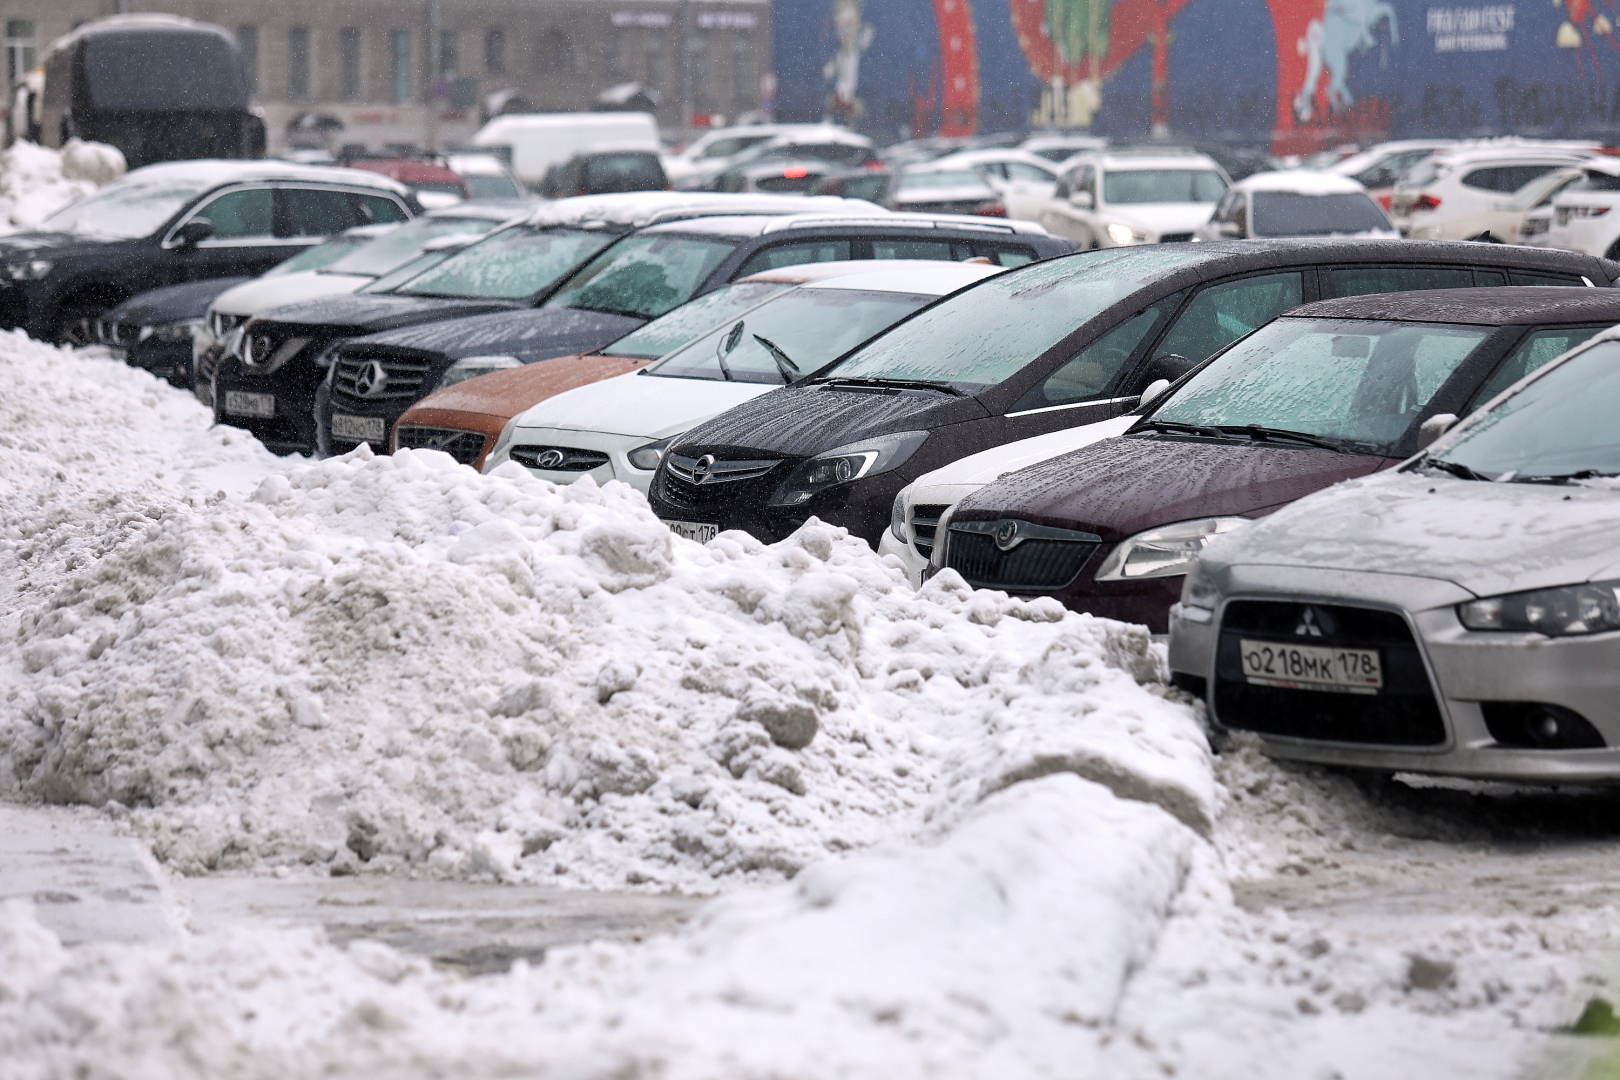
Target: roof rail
{"x": 889, "y": 221}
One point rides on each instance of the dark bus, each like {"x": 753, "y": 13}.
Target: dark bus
{"x": 159, "y": 88}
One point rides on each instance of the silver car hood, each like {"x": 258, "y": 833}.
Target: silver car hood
{"x": 1487, "y": 538}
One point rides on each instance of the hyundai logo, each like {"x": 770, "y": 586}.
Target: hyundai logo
{"x": 371, "y": 380}
{"x": 701, "y": 467}
{"x": 1314, "y": 622}
{"x": 1007, "y": 535}
{"x": 551, "y": 459}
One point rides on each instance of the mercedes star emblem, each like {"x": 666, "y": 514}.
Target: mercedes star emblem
{"x": 370, "y": 380}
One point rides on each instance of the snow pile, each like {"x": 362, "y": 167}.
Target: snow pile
{"x": 36, "y": 181}
{"x": 395, "y": 664}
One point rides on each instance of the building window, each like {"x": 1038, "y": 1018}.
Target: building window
{"x": 298, "y": 63}
{"x": 554, "y": 54}
{"x": 247, "y": 42}
{"x": 19, "y": 49}
{"x": 697, "y": 77}
{"x": 349, "y": 58}
{"x": 399, "y": 56}
{"x": 495, "y": 50}
{"x": 449, "y": 62}
{"x": 742, "y": 71}
{"x": 657, "y": 66}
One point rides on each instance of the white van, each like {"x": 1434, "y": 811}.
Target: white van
{"x": 540, "y": 140}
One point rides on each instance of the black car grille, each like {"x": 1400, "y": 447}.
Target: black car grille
{"x": 1175, "y": 237}
{"x": 1402, "y": 713}
{"x": 464, "y": 446}
{"x": 1018, "y": 556}
{"x": 364, "y": 378}
{"x": 707, "y": 480}
{"x": 558, "y": 458}
{"x": 120, "y": 335}
{"x": 924, "y": 523}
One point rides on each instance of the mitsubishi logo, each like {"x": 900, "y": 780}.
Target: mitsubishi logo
{"x": 371, "y": 380}
{"x": 551, "y": 459}
{"x": 1007, "y": 535}
{"x": 701, "y": 467}
{"x": 1314, "y": 622}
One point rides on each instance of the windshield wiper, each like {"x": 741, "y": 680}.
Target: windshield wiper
{"x": 1260, "y": 433}
{"x": 1563, "y": 478}
{"x": 903, "y": 384}
{"x": 725, "y": 345}
{"x": 1176, "y": 427}
{"x": 784, "y": 363}
{"x": 1455, "y": 468}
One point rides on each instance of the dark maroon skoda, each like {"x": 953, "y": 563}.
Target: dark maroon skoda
{"x": 1330, "y": 391}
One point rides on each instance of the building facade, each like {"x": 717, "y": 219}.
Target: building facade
{"x": 424, "y": 72}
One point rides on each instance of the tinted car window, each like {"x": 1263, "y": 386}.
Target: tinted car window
{"x": 311, "y": 212}
{"x": 243, "y": 214}
{"x": 814, "y": 251}
{"x": 692, "y": 318}
{"x": 921, "y": 249}
{"x": 1383, "y": 279}
{"x": 510, "y": 264}
{"x": 1162, "y": 186}
{"x": 1505, "y": 178}
{"x": 492, "y": 187}
{"x": 381, "y": 210}
{"x": 1361, "y": 382}
{"x": 1533, "y": 353}
{"x": 1288, "y": 213}
{"x": 1093, "y": 367}
{"x": 623, "y": 172}
{"x": 1536, "y": 277}
{"x": 1221, "y": 314}
{"x": 643, "y": 276}
{"x": 1008, "y": 256}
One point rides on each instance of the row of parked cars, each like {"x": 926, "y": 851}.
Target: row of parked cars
{"x": 972, "y": 394}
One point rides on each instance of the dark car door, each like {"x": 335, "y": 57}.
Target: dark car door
{"x": 244, "y": 242}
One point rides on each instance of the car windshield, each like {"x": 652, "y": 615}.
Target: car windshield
{"x": 127, "y": 209}
{"x": 643, "y": 276}
{"x": 1291, "y": 213}
{"x": 386, "y": 252}
{"x": 1361, "y": 383}
{"x": 321, "y": 255}
{"x": 735, "y": 144}
{"x": 1558, "y": 428}
{"x": 790, "y": 336}
{"x": 1162, "y": 186}
{"x": 512, "y": 264}
{"x": 492, "y": 187}
{"x": 669, "y": 332}
{"x": 990, "y": 332}
{"x": 931, "y": 181}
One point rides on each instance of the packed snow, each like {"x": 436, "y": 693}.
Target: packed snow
{"x": 37, "y": 181}
{"x": 948, "y": 832}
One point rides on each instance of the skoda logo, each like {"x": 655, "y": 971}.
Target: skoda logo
{"x": 551, "y": 459}
{"x": 1006, "y": 535}
{"x": 701, "y": 467}
{"x": 370, "y": 380}
{"x": 1314, "y": 622}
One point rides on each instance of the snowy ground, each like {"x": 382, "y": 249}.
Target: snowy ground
{"x": 372, "y": 713}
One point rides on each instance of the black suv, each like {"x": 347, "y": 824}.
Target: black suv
{"x": 1065, "y": 343}
{"x": 644, "y": 275}
{"x": 179, "y": 222}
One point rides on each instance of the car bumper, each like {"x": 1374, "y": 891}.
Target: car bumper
{"x": 169, "y": 360}
{"x": 278, "y": 408}
{"x": 915, "y": 565}
{"x": 1588, "y": 235}
{"x": 1468, "y": 674}
{"x": 616, "y": 448}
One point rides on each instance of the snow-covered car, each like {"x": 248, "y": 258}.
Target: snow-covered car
{"x": 1024, "y": 181}
{"x": 618, "y": 429}
{"x": 1478, "y": 192}
{"x": 834, "y": 145}
{"x": 714, "y": 151}
{"x": 1124, "y": 197}
{"x": 1459, "y": 615}
{"x": 1295, "y": 203}
{"x": 1583, "y": 212}
{"x": 1377, "y": 168}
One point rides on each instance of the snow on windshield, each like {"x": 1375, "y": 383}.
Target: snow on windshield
{"x": 384, "y": 253}
{"x": 128, "y": 209}
{"x": 644, "y": 276}
{"x": 513, "y": 264}
{"x": 686, "y": 322}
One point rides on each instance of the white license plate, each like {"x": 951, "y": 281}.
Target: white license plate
{"x": 238, "y": 403}
{"x": 1312, "y": 667}
{"x": 358, "y": 428}
{"x": 701, "y": 531}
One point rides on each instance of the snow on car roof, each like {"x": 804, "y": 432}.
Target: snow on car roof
{"x": 1300, "y": 182}
{"x": 216, "y": 172}
{"x": 1509, "y": 152}
{"x": 634, "y": 209}
{"x": 924, "y": 277}
{"x": 977, "y": 157}
{"x": 1498, "y": 306}
{"x": 1168, "y": 158}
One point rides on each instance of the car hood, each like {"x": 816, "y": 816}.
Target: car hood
{"x": 370, "y": 313}
{"x": 1118, "y": 487}
{"x": 530, "y": 334}
{"x": 504, "y": 394}
{"x": 262, "y": 294}
{"x": 644, "y": 406}
{"x": 34, "y": 243}
{"x": 988, "y": 466}
{"x": 1159, "y": 217}
{"x": 1487, "y": 538}
{"x": 172, "y": 303}
{"x": 802, "y": 421}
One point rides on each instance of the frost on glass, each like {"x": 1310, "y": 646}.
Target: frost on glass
{"x": 810, "y": 327}
{"x": 669, "y": 332}
{"x": 386, "y": 252}
{"x": 1355, "y": 381}
{"x": 985, "y": 335}
{"x": 511, "y": 265}
{"x": 319, "y": 256}
{"x": 126, "y": 210}
{"x": 644, "y": 276}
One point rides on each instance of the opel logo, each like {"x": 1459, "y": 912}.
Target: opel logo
{"x": 701, "y": 467}
{"x": 371, "y": 380}
{"x": 1006, "y": 535}
{"x": 551, "y": 459}
{"x": 1314, "y": 623}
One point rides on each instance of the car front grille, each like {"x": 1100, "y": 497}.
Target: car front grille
{"x": 120, "y": 335}
{"x": 464, "y": 446}
{"x": 924, "y": 524}
{"x": 707, "y": 480}
{"x": 558, "y": 458}
{"x": 1018, "y": 556}
{"x": 1403, "y": 713}
{"x": 1175, "y": 237}
{"x": 364, "y": 378}
{"x": 1534, "y": 226}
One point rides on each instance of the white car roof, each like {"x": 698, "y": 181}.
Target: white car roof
{"x": 1300, "y": 181}
{"x": 924, "y": 277}
{"x": 1123, "y": 160}
{"x": 215, "y": 173}
{"x": 635, "y": 209}
{"x": 979, "y": 157}
{"x": 1509, "y": 153}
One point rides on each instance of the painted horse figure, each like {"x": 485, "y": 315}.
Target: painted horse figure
{"x": 1345, "y": 29}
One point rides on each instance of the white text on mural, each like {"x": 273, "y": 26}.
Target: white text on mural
{"x": 1471, "y": 29}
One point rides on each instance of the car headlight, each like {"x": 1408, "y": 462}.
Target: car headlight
{"x": 897, "y": 515}
{"x": 1198, "y": 595}
{"x": 1167, "y": 551}
{"x": 172, "y": 333}
{"x": 1124, "y": 234}
{"x": 647, "y": 457}
{"x": 470, "y": 367}
{"x": 845, "y": 465}
{"x": 29, "y": 270}
{"x": 325, "y": 358}
{"x": 1563, "y": 612}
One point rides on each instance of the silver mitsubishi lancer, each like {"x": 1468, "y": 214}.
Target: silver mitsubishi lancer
{"x": 1457, "y": 615}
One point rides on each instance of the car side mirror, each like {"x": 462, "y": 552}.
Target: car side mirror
{"x": 1166, "y": 369}
{"x": 1435, "y": 426}
{"x": 194, "y": 232}
{"x": 1154, "y": 389}
{"x": 1082, "y": 199}
{"x": 1230, "y": 229}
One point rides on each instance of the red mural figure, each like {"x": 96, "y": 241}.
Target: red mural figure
{"x": 959, "y": 114}
{"x": 1130, "y": 27}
